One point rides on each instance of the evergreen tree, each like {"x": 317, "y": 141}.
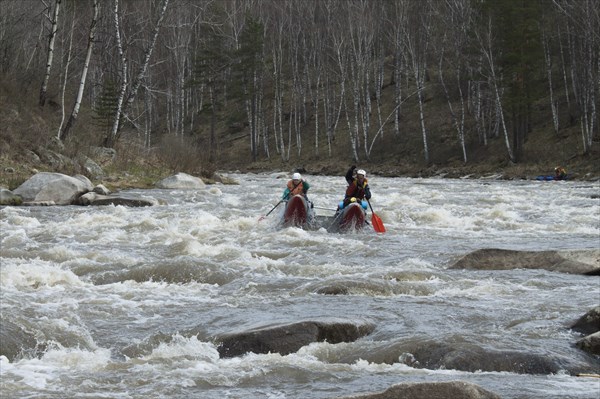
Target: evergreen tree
{"x": 106, "y": 106}
{"x": 520, "y": 61}
{"x": 210, "y": 71}
{"x": 248, "y": 70}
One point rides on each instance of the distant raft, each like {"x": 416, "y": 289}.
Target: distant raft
{"x": 552, "y": 177}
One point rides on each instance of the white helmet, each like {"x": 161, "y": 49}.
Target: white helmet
{"x": 297, "y": 176}
{"x": 361, "y": 172}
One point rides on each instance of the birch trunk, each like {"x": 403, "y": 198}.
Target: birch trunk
{"x": 354, "y": 133}
{"x": 123, "y": 111}
{"x": 109, "y": 142}
{"x": 278, "y": 98}
{"x": 66, "y": 76}
{"x": 564, "y": 69}
{"x": 352, "y": 136}
{"x": 548, "y": 60}
{"x": 420, "y": 86}
{"x": 147, "y": 120}
{"x": 487, "y": 52}
{"x": 52, "y": 38}
{"x": 90, "y": 46}
{"x": 459, "y": 123}
{"x": 397, "y": 87}
{"x": 379, "y": 77}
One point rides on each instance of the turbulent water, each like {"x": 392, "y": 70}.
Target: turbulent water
{"x": 117, "y": 302}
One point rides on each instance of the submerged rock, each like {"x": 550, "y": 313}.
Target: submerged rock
{"x": 465, "y": 356}
{"x": 93, "y": 198}
{"x": 17, "y": 342}
{"x": 181, "y": 181}
{"x": 574, "y": 262}
{"x": 288, "y": 338}
{"x": 590, "y": 344}
{"x": 589, "y": 323}
{"x": 431, "y": 390}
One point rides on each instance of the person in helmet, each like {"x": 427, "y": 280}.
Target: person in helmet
{"x": 358, "y": 186}
{"x": 296, "y": 186}
{"x": 560, "y": 173}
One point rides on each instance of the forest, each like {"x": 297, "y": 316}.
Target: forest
{"x": 222, "y": 82}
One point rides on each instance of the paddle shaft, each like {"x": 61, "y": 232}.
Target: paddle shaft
{"x": 326, "y": 209}
{"x": 283, "y": 199}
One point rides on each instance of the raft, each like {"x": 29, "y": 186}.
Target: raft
{"x": 551, "y": 177}
{"x": 298, "y": 213}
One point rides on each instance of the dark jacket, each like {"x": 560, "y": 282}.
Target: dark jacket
{"x": 355, "y": 189}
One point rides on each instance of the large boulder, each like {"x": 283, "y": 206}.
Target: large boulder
{"x": 574, "y": 262}
{"x": 91, "y": 167}
{"x": 181, "y": 181}
{"x": 431, "y": 390}
{"x": 53, "y": 187}
{"x": 288, "y": 338}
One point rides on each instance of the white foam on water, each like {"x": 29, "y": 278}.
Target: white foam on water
{"x": 14, "y": 216}
{"x": 269, "y": 275}
{"x": 34, "y": 273}
{"x": 183, "y": 347}
{"x": 17, "y": 239}
{"x": 43, "y": 372}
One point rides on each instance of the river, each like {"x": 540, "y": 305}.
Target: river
{"x": 125, "y": 302}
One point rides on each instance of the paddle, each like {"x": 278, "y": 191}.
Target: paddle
{"x": 377, "y": 223}
{"x": 283, "y": 199}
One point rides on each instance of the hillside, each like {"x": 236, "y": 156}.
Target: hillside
{"x": 403, "y": 155}
{"x": 26, "y": 129}
{"x": 205, "y": 88}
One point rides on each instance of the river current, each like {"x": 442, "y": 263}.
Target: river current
{"x": 125, "y": 302}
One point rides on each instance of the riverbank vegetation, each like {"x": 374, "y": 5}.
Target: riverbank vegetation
{"x": 403, "y": 87}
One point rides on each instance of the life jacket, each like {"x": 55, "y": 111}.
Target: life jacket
{"x": 354, "y": 190}
{"x": 297, "y": 190}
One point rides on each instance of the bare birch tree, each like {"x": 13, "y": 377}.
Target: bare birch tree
{"x": 583, "y": 24}
{"x": 417, "y": 40}
{"x": 457, "y": 15}
{"x": 65, "y": 74}
{"x": 549, "y": 64}
{"x": 484, "y": 39}
{"x": 395, "y": 26}
{"x": 126, "y": 100}
{"x": 124, "y": 76}
{"x": 51, "y": 40}
{"x": 75, "y": 112}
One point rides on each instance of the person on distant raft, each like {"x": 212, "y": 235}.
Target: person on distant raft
{"x": 358, "y": 186}
{"x": 296, "y": 186}
{"x": 560, "y": 173}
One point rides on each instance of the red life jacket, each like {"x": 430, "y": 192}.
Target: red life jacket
{"x": 354, "y": 190}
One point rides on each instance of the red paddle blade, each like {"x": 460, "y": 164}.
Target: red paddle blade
{"x": 377, "y": 223}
